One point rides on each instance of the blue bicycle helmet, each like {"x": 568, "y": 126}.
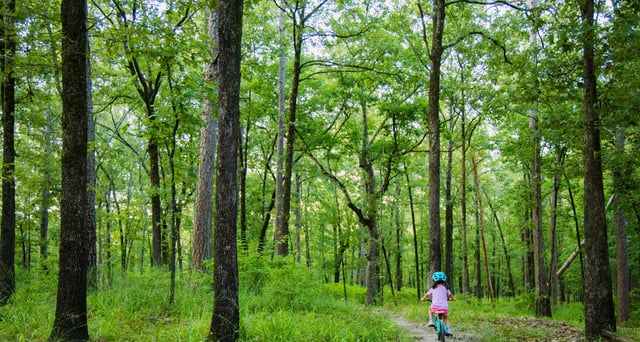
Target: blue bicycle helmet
{"x": 437, "y": 276}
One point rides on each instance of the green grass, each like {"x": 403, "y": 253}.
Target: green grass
{"x": 289, "y": 304}
{"x": 278, "y": 302}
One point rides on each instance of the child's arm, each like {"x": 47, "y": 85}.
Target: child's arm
{"x": 424, "y": 298}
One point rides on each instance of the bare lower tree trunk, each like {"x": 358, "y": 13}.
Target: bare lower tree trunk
{"x": 92, "y": 271}
{"x": 279, "y": 236}
{"x": 225, "y": 322}
{"x": 70, "y": 322}
{"x": 8, "y": 227}
{"x": 598, "y": 296}
{"x": 435, "y": 56}
{"x": 203, "y": 206}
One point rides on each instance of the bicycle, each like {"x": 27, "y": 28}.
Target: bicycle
{"x": 439, "y": 325}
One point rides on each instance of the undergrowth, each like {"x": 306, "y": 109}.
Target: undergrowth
{"x": 278, "y": 302}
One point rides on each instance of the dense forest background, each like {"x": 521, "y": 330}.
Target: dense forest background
{"x": 342, "y": 165}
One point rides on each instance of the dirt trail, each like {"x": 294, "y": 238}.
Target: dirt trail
{"x": 422, "y": 333}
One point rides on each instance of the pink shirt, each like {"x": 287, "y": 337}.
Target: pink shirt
{"x": 439, "y": 297}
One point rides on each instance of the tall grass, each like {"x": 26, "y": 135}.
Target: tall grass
{"x": 278, "y": 303}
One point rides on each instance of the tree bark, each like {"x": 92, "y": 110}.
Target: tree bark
{"x": 623, "y": 275}
{"x": 71, "y": 306}
{"x": 92, "y": 257}
{"x": 598, "y": 296}
{"x": 435, "y": 56}
{"x": 203, "y": 206}
{"x": 8, "y": 226}
{"x": 280, "y": 235}
{"x": 225, "y": 323}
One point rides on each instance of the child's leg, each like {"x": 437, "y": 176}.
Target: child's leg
{"x": 446, "y": 322}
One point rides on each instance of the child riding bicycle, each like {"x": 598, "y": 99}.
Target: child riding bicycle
{"x": 440, "y": 297}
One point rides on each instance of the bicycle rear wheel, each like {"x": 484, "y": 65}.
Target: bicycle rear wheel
{"x": 442, "y": 330}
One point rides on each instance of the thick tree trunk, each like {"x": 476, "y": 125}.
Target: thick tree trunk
{"x": 543, "y": 304}
{"x": 598, "y": 296}
{"x": 92, "y": 271}
{"x": 435, "y": 56}
{"x": 8, "y": 227}
{"x": 203, "y": 206}
{"x": 225, "y": 323}
{"x": 71, "y": 306}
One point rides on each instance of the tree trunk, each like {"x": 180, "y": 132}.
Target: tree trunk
{"x": 398, "y": 247}
{"x": 481, "y": 225}
{"x": 92, "y": 271}
{"x": 623, "y": 275}
{"x": 280, "y": 235}
{"x": 554, "y": 284}
{"x": 512, "y": 286}
{"x": 265, "y": 223}
{"x": 203, "y": 206}
{"x": 46, "y": 194}
{"x": 8, "y": 228}
{"x": 463, "y": 207}
{"x": 598, "y": 296}
{"x": 448, "y": 220}
{"x": 148, "y": 91}
{"x": 299, "y": 222}
{"x": 416, "y": 255}
{"x": 543, "y": 305}
{"x": 435, "y": 56}
{"x": 71, "y": 306}
{"x": 225, "y": 323}
{"x": 476, "y": 255}
{"x": 370, "y": 220}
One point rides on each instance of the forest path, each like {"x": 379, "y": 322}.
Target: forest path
{"x": 419, "y": 331}
{"x": 559, "y": 331}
